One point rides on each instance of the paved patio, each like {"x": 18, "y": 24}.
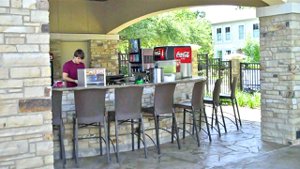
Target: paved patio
{"x": 236, "y": 149}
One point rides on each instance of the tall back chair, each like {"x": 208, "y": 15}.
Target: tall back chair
{"x": 234, "y": 103}
{"x": 164, "y": 108}
{"x": 89, "y": 110}
{"x": 215, "y": 102}
{"x": 128, "y": 104}
{"x": 57, "y": 121}
{"x": 163, "y": 98}
{"x": 195, "y": 105}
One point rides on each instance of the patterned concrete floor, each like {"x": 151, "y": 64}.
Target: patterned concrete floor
{"x": 237, "y": 149}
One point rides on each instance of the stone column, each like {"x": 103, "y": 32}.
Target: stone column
{"x": 280, "y": 72}
{"x": 235, "y": 67}
{"x": 25, "y": 104}
{"x": 104, "y": 54}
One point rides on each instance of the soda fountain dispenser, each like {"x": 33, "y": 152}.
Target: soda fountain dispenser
{"x": 180, "y": 57}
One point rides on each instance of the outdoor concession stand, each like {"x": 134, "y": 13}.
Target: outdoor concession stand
{"x": 90, "y": 147}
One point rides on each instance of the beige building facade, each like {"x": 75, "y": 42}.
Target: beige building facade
{"x": 30, "y": 29}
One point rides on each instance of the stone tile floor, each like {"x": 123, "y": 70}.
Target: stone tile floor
{"x": 234, "y": 150}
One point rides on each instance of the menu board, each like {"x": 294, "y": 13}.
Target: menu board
{"x": 134, "y": 45}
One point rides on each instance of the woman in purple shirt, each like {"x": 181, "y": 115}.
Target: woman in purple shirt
{"x": 71, "y": 66}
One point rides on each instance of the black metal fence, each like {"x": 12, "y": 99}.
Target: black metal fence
{"x": 123, "y": 60}
{"x": 250, "y": 77}
{"x": 213, "y": 69}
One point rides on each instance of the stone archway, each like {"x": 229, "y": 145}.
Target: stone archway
{"x": 25, "y": 105}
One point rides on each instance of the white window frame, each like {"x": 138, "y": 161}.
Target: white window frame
{"x": 241, "y": 29}
{"x": 219, "y": 53}
{"x": 228, "y": 51}
{"x": 227, "y": 34}
{"x": 255, "y": 30}
{"x": 219, "y": 35}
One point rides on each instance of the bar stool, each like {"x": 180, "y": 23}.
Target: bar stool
{"x": 195, "y": 105}
{"x": 57, "y": 121}
{"x": 234, "y": 103}
{"x": 89, "y": 111}
{"x": 128, "y": 103}
{"x": 163, "y": 108}
{"x": 215, "y": 102}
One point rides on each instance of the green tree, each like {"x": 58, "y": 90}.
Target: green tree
{"x": 171, "y": 28}
{"x": 252, "y": 50}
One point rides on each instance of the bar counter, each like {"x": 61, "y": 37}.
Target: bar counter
{"x": 90, "y": 147}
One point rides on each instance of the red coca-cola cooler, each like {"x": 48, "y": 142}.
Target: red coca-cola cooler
{"x": 181, "y": 53}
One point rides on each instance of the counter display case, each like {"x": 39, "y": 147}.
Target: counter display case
{"x": 91, "y": 76}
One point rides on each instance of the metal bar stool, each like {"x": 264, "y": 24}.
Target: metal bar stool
{"x": 57, "y": 121}
{"x": 128, "y": 103}
{"x": 215, "y": 102}
{"x": 163, "y": 108}
{"x": 195, "y": 105}
{"x": 234, "y": 103}
{"x": 89, "y": 111}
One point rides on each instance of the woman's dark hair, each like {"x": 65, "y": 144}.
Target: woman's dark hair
{"x": 79, "y": 53}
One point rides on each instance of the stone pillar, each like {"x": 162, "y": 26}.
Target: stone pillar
{"x": 235, "y": 65}
{"x": 25, "y": 104}
{"x": 280, "y": 72}
{"x": 104, "y": 54}
{"x": 195, "y": 59}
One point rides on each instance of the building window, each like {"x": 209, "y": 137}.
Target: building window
{"x": 219, "y": 54}
{"x": 241, "y": 32}
{"x": 219, "y": 34}
{"x": 255, "y": 30}
{"x": 228, "y": 52}
{"x": 227, "y": 33}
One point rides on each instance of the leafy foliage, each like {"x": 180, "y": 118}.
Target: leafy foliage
{"x": 178, "y": 27}
{"x": 252, "y": 50}
{"x": 248, "y": 100}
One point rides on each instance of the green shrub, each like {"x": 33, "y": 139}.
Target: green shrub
{"x": 251, "y": 100}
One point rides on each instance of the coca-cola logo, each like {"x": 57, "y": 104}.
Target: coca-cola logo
{"x": 182, "y": 54}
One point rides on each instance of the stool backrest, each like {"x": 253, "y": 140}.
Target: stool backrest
{"x": 198, "y": 94}
{"x": 128, "y": 102}
{"x": 90, "y": 105}
{"x": 233, "y": 87}
{"x": 56, "y": 107}
{"x": 217, "y": 91}
{"x": 163, "y": 98}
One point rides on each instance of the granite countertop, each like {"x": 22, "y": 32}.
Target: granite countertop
{"x": 185, "y": 80}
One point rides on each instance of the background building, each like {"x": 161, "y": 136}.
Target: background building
{"x": 231, "y": 31}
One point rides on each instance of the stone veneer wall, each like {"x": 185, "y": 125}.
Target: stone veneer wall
{"x": 90, "y": 147}
{"x": 26, "y": 139}
{"x": 104, "y": 54}
{"x": 280, "y": 77}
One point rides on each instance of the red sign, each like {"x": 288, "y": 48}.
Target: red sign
{"x": 159, "y": 53}
{"x": 184, "y": 54}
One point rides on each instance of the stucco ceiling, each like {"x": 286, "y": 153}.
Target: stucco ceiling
{"x": 111, "y": 16}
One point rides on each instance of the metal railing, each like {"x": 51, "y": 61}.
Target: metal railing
{"x": 250, "y": 77}
{"x": 213, "y": 69}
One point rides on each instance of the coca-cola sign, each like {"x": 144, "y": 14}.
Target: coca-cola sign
{"x": 184, "y": 54}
